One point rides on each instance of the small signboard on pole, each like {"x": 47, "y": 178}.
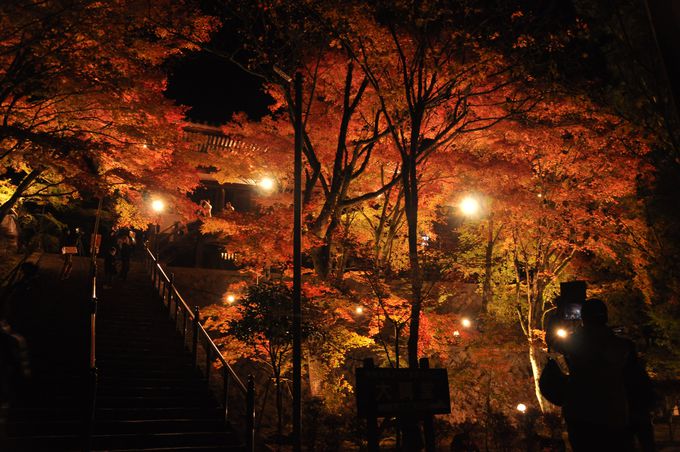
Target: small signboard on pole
{"x": 387, "y": 392}
{"x": 415, "y": 393}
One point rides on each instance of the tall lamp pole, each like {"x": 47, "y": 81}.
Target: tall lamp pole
{"x": 297, "y": 259}
{"x": 297, "y": 263}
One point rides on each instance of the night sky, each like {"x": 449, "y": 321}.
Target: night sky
{"x": 215, "y": 88}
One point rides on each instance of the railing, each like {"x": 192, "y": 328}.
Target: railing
{"x": 187, "y": 322}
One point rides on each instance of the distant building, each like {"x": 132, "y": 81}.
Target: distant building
{"x": 186, "y": 246}
{"x": 235, "y": 194}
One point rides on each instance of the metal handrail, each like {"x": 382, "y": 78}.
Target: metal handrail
{"x": 165, "y": 287}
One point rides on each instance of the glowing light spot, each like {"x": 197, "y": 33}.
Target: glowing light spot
{"x": 158, "y": 205}
{"x": 456, "y": 333}
{"x": 522, "y": 408}
{"x": 359, "y": 310}
{"x": 267, "y": 183}
{"x": 469, "y": 206}
{"x": 467, "y": 323}
{"x": 231, "y": 299}
{"x": 562, "y": 333}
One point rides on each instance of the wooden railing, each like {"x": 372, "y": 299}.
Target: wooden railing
{"x": 202, "y": 347}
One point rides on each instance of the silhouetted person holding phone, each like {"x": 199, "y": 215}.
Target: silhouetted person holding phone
{"x": 596, "y": 406}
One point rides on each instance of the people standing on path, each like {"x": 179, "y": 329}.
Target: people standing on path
{"x": 110, "y": 267}
{"x": 125, "y": 246}
{"x": 68, "y": 249}
{"x": 596, "y": 406}
{"x": 14, "y": 366}
{"x": 79, "y": 242}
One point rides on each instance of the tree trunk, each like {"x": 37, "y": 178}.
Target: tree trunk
{"x": 536, "y": 371}
{"x": 25, "y": 183}
{"x": 321, "y": 258}
{"x": 488, "y": 261}
{"x": 411, "y": 206}
{"x": 279, "y": 405}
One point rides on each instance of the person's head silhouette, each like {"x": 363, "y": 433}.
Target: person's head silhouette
{"x": 594, "y": 312}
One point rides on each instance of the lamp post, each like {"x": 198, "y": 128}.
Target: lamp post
{"x": 297, "y": 257}
{"x": 157, "y": 205}
{"x": 471, "y": 206}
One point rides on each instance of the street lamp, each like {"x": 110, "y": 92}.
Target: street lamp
{"x": 467, "y": 323}
{"x": 231, "y": 299}
{"x": 158, "y": 206}
{"x": 470, "y": 206}
{"x": 522, "y": 408}
{"x": 267, "y": 183}
{"x": 297, "y": 256}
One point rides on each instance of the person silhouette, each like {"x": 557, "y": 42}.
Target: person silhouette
{"x": 596, "y": 407}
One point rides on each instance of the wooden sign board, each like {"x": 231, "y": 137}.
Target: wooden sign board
{"x": 392, "y": 392}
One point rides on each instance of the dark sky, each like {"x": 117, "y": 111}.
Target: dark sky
{"x": 215, "y": 88}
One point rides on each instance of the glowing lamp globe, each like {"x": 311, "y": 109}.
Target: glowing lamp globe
{"x": 522, "y": 408}
{"x": 562, "y": 333}
{"x": 467, "y": 323}
{"x": 359, "y": 310}
{"x": 231, "y": 299}
{"x": 157, "y": 205}
{"x": 267, "y": 183}
{"x": 469, "y": 206}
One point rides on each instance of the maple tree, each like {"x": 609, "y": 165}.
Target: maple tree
{"x": 343, "y": 148}
{"x": 81, "y": 99}
{"x": 638, "y": 88}
{"x": 573, "y": 169}
{"x": 260, "y": 321}
{"x": 449, "y": 97}
{"x": 433, "y": 83}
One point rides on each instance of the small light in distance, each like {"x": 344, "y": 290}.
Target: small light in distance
{"x": 231, "y": 298}
{"x": 469, "y": 206}
{"x": 267, "y": 183}
{"x": 359, "y": 310}
{"x": 562, "y": 333}
{"x": 456, "y": 333}
{"x": 467, "y": 323}
{"x": 522, "y": 408}
{"x": 157, "y": 205}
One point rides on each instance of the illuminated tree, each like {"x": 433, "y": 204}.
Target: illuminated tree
{"x": 574, "y": 169}
{"x": 81, "y": 102}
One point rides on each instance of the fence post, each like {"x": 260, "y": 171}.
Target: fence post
{"x": 171, "y": 293}
{"x": 225, "y": 381}
{"x": 194, "y": 343}
{"x": 428, "y": 421}
{"x": 184, "y": 327}
{"x": 208, "y": 364}
{"x": 250, "y": 415}
{"x": 372, "y": 418}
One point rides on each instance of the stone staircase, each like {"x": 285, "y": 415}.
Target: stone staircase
{"x": 150, "y": 396}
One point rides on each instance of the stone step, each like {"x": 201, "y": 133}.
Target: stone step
{"x": 154, "y": 401}
{"x": 109, "y": 427}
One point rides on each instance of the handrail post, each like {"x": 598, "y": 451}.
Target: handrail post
{"x": 171, "y": 293}
{"x": 208, "y": 363}
{"x": 250, "y": 415}
{"x": 225, "y": 381}
{"x": 194, "y": 344}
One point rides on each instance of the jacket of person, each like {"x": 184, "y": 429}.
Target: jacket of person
{"x": 598, "y": 362}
